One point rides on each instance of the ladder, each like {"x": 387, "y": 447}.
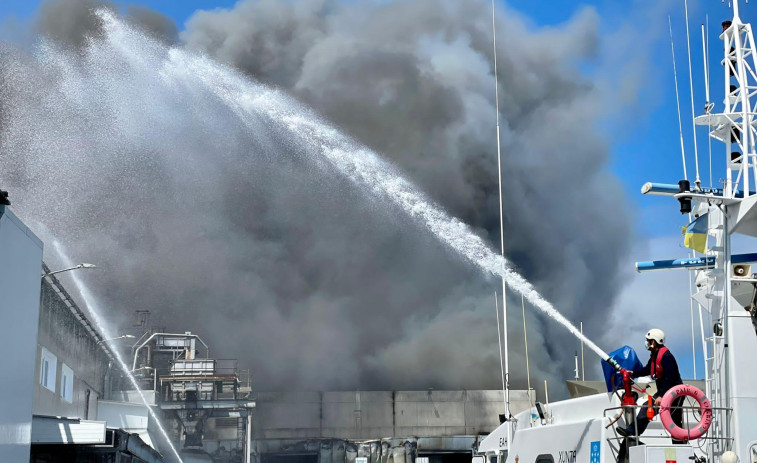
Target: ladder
{"x": 242, "y": 436}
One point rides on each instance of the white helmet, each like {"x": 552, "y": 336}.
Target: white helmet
{"x": 729, "y": 457}
{"x": 657, "y": 335}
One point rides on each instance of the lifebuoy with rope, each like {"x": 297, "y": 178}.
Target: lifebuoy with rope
{"x": 704, "y": 405}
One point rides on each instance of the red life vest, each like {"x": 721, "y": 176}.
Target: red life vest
{"x": 656, "y": 367}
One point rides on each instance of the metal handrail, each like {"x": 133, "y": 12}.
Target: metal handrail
{"x": 701, "y": 442}
{"x": 691, "y": 408}
{"x": 137, "y": 348}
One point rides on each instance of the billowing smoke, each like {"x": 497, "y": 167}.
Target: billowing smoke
{"x": 109, "y": 143}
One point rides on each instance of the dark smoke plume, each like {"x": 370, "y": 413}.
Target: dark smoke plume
{"x": 73, "y": 22}
{"x": 70, "y": 22}
{"x": 234, "y": 234}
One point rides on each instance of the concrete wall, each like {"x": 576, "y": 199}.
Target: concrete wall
{"x": 379, "y": 414}
{"x": 20, "y": 270}
{"x": 64, "y": 336}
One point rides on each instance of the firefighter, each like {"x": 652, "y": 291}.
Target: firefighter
{"x": 663, "y": 368}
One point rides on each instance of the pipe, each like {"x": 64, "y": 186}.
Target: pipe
{"x": 248, "y": 447}
{"x": 613, "y": 363}
{"x": 627, "y": 394}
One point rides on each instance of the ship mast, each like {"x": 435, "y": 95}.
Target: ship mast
{"x": 508, "y": 415}
{"x": 730, "y": 376}
{"x": 735, "y": 126}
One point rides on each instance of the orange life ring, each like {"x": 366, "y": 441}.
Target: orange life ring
{"x": 705, "y": 407}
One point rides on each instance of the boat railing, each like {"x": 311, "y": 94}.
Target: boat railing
{"x": 691, "y": 416}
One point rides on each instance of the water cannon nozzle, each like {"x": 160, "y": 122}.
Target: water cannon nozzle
{"x": 614, "y": 364}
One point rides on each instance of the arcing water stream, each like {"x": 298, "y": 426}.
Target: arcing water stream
{"x": 124, "y": 56}
{"x": 126, "y": 50}
{"x": 96, "y": 316}
{"x": 252, "y": 102}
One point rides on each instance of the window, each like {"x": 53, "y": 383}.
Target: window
{"x": 66, "y": 383}
{"x": 48, "y": 369}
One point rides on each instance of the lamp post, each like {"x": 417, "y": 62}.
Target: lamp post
{"x": 75, "y": 267}
{"x": 126, "y": 336}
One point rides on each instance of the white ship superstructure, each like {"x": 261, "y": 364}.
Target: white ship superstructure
{"x": 584, "y": 429}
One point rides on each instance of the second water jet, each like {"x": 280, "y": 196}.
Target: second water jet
{"x": 99, "y": 322}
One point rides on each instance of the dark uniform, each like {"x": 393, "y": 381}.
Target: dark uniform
{"x": 666, "y": 376}
{"x": 666, "y": 379}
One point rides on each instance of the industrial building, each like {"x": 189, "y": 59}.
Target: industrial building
{"x": 61, "y": 366}
{"x": 20, "y": 269}
{"x": 72, "y": 402}
{"x": 381, "y": 426}
{"x": 73, "y": 367}
{"x": 210, "y": 408}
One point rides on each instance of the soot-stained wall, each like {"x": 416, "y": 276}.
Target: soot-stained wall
{"x": 61, "y": 334}
{"x": 379, "y": 414}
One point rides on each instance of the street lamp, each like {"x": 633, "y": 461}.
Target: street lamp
{"x": 67, "y": 269}
{"x": 126, "y": 336}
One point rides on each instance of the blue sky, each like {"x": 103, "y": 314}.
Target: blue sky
{"x": 179, "y": 10}
{"x": 642, "y": 137}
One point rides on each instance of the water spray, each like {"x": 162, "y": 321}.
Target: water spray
{"x": 362, "y": 166}
{"x": 250, "y": 102}
{"x": 94, "y": 313}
